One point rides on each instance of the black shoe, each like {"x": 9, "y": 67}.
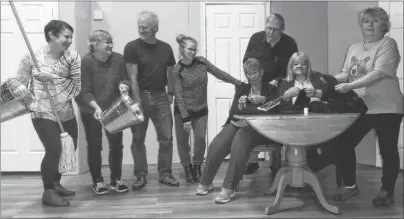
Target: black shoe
{"x": 139, "y": 183}
{"x": 62, "y": 191}
{"x": 197, "y": 172}
{"x": 251, "y": 168}
{"x": 51, "y": 198}
{"x": 189, "y": 173}
{"x": 169, "y": 180}
{"x": 346, "y": 193}
{"x": 100, "y": 188}
{"x": 119, "y": 186}
{"x": 383, "y": 199}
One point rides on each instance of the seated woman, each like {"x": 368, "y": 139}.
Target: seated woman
{"x": 237, "y": 138}
{"x": 302, "y": 86}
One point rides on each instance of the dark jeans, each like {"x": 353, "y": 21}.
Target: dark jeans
{"x": 387, "y": 127}
{"x": 93, "y": 131}
{"x": 199, "y": 127}
{"x": 49, "y": 133}
{"x": 156, "y": 107}
{"x": 238, "y": 142}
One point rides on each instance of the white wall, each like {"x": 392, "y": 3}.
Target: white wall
{"x": 395, "y": 9}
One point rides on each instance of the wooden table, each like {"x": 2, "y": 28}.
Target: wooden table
{"x": 297, "y": 131}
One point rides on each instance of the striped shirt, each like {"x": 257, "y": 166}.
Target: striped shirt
{"x": 64, "y": 87}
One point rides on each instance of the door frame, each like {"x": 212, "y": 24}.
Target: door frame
{"x": 202, "y": 43}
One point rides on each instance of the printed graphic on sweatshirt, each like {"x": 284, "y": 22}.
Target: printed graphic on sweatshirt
{"x": 357, "y": 68}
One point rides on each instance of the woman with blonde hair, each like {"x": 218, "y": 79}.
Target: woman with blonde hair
{"x": 103, "y": 80}
{"x": 301, "y": 81}
{"x": 370, "y": 69}
{"x": 190, "y": 82}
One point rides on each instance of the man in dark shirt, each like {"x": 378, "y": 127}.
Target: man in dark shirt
{"x": 273, "y": 48}
{"x": 149, "y": 62}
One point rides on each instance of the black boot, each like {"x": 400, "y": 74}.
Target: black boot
{"x": 51, "y": 198}
{"x": 189, "y": 173}
{"x": 62, "y": 191}
{"x": 197, "y": 172}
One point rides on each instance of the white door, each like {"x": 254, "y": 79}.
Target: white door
{"x": 228, "y": 30}
{"x": 21, "y": 149}
{"x": 396, "y": 12}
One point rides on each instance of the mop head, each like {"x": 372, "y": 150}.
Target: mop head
{"x": 67, "y": 162}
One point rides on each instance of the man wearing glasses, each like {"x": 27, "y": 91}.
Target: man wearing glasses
{"x": 273, "y": 48}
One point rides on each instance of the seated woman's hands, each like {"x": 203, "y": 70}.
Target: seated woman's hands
{"x": 256, "y": 99}
{"x": 242, "y": 101}
{"x": 309, "y": 91}
{"x": 291, "y": 92}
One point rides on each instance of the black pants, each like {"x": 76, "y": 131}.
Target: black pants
{"x": 49, "y": 134}
{"x": 93, "y": 130}
{"x": 387, "y": 127}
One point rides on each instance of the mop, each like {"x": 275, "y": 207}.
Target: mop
{"x": 67, "y": 162}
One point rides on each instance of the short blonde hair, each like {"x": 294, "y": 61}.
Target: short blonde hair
{"x": 376, "y": 12}
{"x": 290, "y": 75}
{"x": 96, "y": 37}
{"x": 250, "y": 64}
{"x": 148, "y": 15}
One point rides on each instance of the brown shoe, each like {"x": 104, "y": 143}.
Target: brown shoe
{"x": 346, "y": 193}
{"x": 189, "y": 173}
{"x": 169, "y": 180}
{"x": 383, "y": 199}
{"x": 62, "y": 191}
{"x": 139, "y": 183}
{"x": 197, "y": 172}
{"x": 51, "y": 198}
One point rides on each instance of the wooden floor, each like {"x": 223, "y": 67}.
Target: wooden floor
{"x": 21, "y": 197}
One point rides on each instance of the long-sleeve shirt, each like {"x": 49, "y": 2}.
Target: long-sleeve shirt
{"x": 191, "y": 82}
{"x": 64, "y": 87}
{"x": 274, "y": 60}
{"x": 100, "y": 81}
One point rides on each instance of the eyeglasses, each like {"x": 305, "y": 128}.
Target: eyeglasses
{"x": 191, "y": 49}
{"x": 108, "y": 43}
{"x": 271, "y": 29}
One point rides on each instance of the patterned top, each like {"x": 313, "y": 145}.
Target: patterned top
{"x": 384, "y": 95}
{"x": 64, "y": 87}
{"x": 191, "y": 82}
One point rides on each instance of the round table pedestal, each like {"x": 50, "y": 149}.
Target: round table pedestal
{"x": 296, "y": 174}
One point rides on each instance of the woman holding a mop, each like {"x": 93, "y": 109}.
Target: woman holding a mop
{"x": 54, "y": 68}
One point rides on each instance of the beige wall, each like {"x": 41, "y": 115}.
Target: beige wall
{"x": 306, "y": 22}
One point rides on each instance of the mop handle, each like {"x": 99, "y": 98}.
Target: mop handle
{"x": 36, "y": 64}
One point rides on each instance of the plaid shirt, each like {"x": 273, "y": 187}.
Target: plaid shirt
{"x": 64, "y": 87}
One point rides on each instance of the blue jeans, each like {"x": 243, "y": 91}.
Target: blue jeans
{"x": 238, "y": 142}
{"x": 155, "y": 105}
{"x": 199, "y": 127}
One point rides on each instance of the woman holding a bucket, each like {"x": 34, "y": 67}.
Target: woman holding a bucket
{"x": 103, "y": 80}
{"x": 60, "y": 70}
{"x": 190, "y": 81}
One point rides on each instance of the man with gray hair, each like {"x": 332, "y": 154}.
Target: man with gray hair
{"x": 149, "y": 62}
{"x": 273, "y": 48}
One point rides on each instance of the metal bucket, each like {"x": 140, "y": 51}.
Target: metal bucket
{"x": 15, "y": 100}
{"x": 123, "y": 113}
